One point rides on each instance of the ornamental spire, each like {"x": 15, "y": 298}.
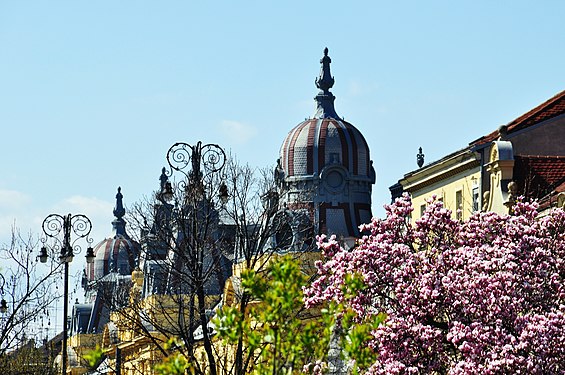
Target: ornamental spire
{"x": 325, "y": 81}
{"x": 119, "y": 210}
{"x": 325, "y": 99}
{"x": 119, "y": 223}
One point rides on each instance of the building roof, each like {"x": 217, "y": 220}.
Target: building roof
{"x": 547, "y": 110}
{"x": 324, "y": 139}
{"x": 116, "y": 253}
{"x": 437, "y": 170}
{"x": 540, "y": 177}
{"x": 547, "y": 169}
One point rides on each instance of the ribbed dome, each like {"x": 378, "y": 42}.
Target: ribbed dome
{"x": 325, "y": 139}
{"x": 117, "y": 253}
{"x": 315, "y": 143}
{"x": 324, "y": 166}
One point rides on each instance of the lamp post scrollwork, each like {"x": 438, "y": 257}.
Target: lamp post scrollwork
{"x": 59, "y": 229}
{"x": 203, "y": 159}
{"x": 199, "y": 163}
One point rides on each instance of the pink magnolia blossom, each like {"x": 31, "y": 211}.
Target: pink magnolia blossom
{"x": 482, "y": 296}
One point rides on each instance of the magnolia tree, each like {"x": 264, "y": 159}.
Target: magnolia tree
{"x": 486, "y": 295}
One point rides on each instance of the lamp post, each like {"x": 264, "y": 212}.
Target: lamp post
{"x": 3, "y": 303}
{"x": 59, "y": 228}
{"x": 198, "y": 163}
{"x": 201, "y": 166}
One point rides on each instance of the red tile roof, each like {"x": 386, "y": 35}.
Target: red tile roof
{"x": 550, "y": 200}
{"x": 540, "y": 177}
{"x": 545, "y": 111}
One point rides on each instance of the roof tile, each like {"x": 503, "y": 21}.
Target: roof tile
{"x": 539, "y": 176}
{"x": 549, "y": 109}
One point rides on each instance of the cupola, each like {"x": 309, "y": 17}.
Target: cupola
{"x": 117, "y": 253}
{"x": 325, "y": 165}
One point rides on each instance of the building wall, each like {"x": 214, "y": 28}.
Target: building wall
{"x": 468, "y": 187}
{"x": 460, "y": 191}
{"x": 545, "y": 135}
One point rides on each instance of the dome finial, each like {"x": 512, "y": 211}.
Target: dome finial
{"x": 119, "y": 210}
{"x": 420, "y": 158}
{"x": 325, "y": 81}
{"x": 325, "y": 99}
{"x": 163, "y": 178}
{"x": 119, "y": 223}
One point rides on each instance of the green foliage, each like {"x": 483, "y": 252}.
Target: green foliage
{"x": 280, "y": 335}
{"x": 356, "y": 337}
{"x": 94, "y": 357}
{"x": 357, "y": 333}
{"x": 174, "y": 364}
{"x": 275, "y": 334}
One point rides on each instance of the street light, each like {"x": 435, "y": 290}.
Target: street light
{"x": 201, "y": 166}
{"x": 3, "y": 303}
{"x": 56, "y": 226}
{"x": 198, "y": 163}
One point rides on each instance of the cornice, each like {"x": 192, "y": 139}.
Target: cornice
{"x": 440, "y": 171}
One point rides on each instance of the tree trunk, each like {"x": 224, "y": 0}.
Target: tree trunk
{"x": 204, "y": 324}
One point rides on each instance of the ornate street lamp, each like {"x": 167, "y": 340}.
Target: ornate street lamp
{"x": 198, "y": 163}
{"x": 59, "y": 229}
{"x": 3, "y": 303}
{"x": 201, "y": 166}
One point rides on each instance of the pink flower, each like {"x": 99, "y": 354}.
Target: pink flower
{"x": 486, "y": 295}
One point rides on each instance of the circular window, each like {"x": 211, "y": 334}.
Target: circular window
{"x": 334, "y": 179}
{"x": 283, "y": 236}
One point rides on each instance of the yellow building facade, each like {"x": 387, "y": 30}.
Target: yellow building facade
{"x": 525, "y": 157}
{"x": 455, "y": 180}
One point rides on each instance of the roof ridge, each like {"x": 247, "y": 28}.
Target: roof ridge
{"x": 539, "y": 108}
{"x": 521, "y": 121}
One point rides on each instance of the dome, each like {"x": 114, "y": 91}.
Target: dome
{"x": 117, "y": 253}
{"x": 326, "y": 139}
{"x": 324, "y": 166}
{"x": 315, "y": 143}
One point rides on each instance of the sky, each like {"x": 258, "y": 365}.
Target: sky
{"x": 93, "y": 93}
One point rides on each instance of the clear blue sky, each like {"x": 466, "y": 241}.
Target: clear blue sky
{"x": 93, "y": 93}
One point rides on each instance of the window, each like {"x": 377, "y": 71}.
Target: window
{"x": 422, "y": 210}
{"x": 459, "y": 205}
{"x": 476, "y": 199}
{"x": 282, "y": 231}
{"x": 334, "y": 157}
{"x": 283, "y": 236}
